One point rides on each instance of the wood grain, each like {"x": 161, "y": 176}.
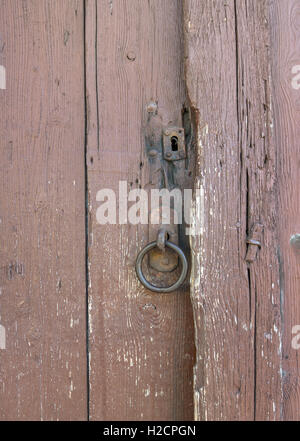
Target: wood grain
{"x": 285, "y": 49}
{"x": 140, "y": 343}
{"x": 90, "y": 85}
{"x": 42, "y": 301}
{"x": 236, "y": 303}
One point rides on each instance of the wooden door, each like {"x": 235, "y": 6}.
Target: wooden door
{"x": 42, "y": 303}
{"x": 83, "y": 339}
{"x": 88, "y": 89}
{"x": 141, "y": 344}
{"x": 240, "y": 60}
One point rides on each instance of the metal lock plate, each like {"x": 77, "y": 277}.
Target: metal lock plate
{"x": 173, "y": 144}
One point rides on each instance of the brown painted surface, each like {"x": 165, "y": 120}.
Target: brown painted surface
{"x": 236, "y": 300}
{"x": 90, "y": 87}
{"x": 140, "y": 343}
{"x": 42, "y": 222}
{"x": 285, "y": 49}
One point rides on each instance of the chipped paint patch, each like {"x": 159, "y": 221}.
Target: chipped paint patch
{"x": 2, "y": 78}
{"x": 2, "y": 337}
{"x": 147, "y": 391}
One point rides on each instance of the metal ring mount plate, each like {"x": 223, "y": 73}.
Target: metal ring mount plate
{"x": 139, "y": 272}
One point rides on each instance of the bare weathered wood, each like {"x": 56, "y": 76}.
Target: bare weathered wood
{"x": 244, "y": 294}
{"x": 140, "y": 343}
{"x": 236, "y": 303}
{"x": 259, "y": 200}
{"x": 42, "y": 224}
{"x": 285, "y": 48}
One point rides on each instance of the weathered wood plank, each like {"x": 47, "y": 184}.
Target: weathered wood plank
{"x": 236, "y": 302}
{"x": 141, "y": 344}
{"x": 259, "y": 201}
{"x": 42, "y": 301}
{"x": 285, "y": 47}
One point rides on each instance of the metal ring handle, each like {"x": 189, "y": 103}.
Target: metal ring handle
{"x": 139, "y": 272}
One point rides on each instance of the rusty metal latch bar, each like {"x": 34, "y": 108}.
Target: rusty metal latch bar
{"x": 161, "y": 256}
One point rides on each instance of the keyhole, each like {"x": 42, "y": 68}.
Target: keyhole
{"x": 174, "y": 143}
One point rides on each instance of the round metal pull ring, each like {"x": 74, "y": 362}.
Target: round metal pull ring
{"x": 139, "y": 272}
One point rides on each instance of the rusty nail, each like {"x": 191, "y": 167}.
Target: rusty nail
{"x": 167, "y": 133}
{"x": 254, "y": 242}
{"x": 295, "y": 241}
{"x": 131, "y": 56}
{"x": 153, "y": 153}
{"x": 168, "y": 154}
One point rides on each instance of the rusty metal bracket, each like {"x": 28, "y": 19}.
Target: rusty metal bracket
{"x": 163, "y": 259}
{"x": 254, "y": 242}
{"x": 172, "y": 149}
{"x": 174, "y": 144}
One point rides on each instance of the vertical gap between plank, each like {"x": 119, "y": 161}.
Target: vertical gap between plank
{"x": 247, "y": 214}
{"x": 86, "y": 213}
